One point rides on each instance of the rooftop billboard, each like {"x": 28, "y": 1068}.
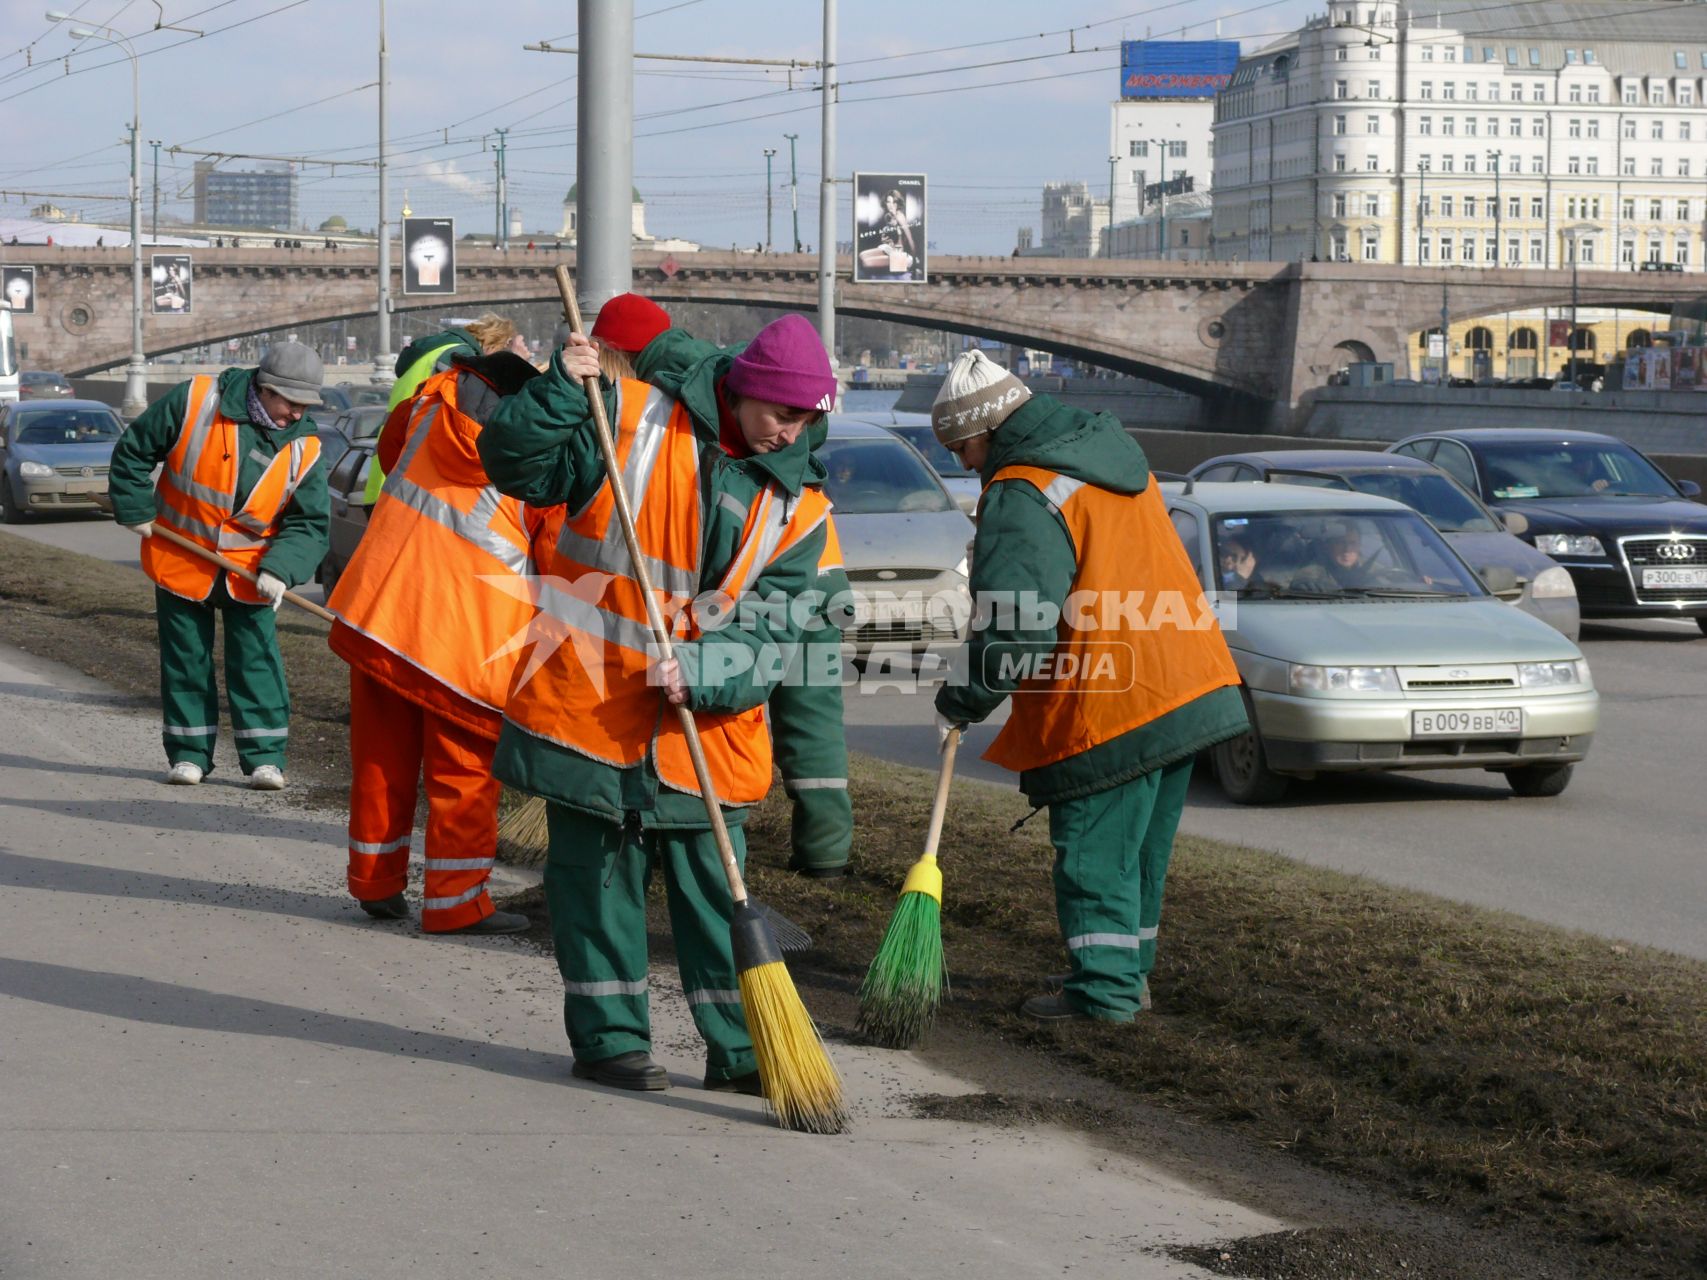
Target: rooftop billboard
{"x": 1176, "y": 68}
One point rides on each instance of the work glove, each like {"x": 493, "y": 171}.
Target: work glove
{"x": 943, "y": 727}
{"x": 271, "y": 587}
{"x": 142, "y": 530}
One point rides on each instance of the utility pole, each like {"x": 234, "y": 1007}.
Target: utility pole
{"x": 500, "y": 237}
{"x": 769, "y": 152}
{"x": 1112, "y": 161}
{"x": 382, "y": 343}
{"x": 794, "y": 187}
{"x": 1445, "y": 336}
{"x": 1571, "y": 338}
{"x": 1162, "y": 150}
{"x": 1422, "y": 208}
{"x": 1495, "y": 157}
{"x": 604, "y": 155}
{"x": 154, "y": 226}
{"x": 827, "y": 191}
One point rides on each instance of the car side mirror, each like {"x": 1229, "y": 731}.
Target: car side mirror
{"x": 1514, "y": 521}
{"x": 1689, "y": 489}
{"x": 1501, "y": 580}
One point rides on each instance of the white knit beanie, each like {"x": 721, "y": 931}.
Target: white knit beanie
{"x": 976, "y": 397}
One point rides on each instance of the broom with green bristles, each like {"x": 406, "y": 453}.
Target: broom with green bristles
{"x": 795, "y": 1072}
{"x": 904, "y": 985}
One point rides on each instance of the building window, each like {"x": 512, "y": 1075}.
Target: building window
{"x": 1371, "y": 247}
{"x": 1591, "y": 164}
{"x": 1450, "y": 53}
{"x": 1680, "y": 60}
{"x": 1683, "y": 168}
{"x": 1685, "y": 95}
{"x": 1574, "y": 164}
{"x": 1535, "y": 57}
{"x": 1514, "y": 206}
{"x": 1469, "y": 164}
{"x": 1425, "y": 126}
{"x": 1446, "y": 206}
{"x": 1446, "y": 164}
{"x": 1628, "y": 166}
{"x": 1342, "y": 89}
{"x": 1469, "y": 126}
{"x": 1176, "y": 149}
{"x": 1470, "y": 90}
{"x": 1511, "y": 55}
{"x": 1656, "y": 211}
{"x": 1425, "y": 249}
{"x": 1594, "y": 126}
{"x": 1628, "y": 128}
{"x": 1627, "y": 253}
{"x": 1585, "y": 251}
{"x": 1339, "y": 204}
{"x": 1589, "y": 58}
{"x": 1469, "y": 206}
{"x": 1137, "y": 149}
{"x": 1537, "y": 207}
{"x": 1657, "y": 95}
{"x": 1425, "y": 205}
{"x": 1449, "y": 125}
{"x": 1570, "y": 57}
{"x": 1576, "y": 93}
{"x": 1340, "y": 127}
{"x": 1657, "y": 130}
{"x": 1340, "y": 54}
{"x": 1538, "y": 127}
{"x": 1535, "y": 249}
{"x": 1538, "y": 91}
{"x": 1656, "y": 168}
{"x": 1446, "y": 248}
{"x": 1469, "y": 254}
{"x": 1338, "y": 242}
{"x": 1654, "y": 250}
{"x": 1425, "y": 163}
{"x": 1428, "y": 53}
{"x": 1630, "y": 95}
{"x": 1513, "y": 250}
{"x": 1372, "y": 164}
{"x": 1628, "y": 209}
{"x": 1537, "y": 164}
{"x": 1574, "y": 129}
{"x": 1680, "y": 251}
{"x": 1514, "y": 127}
{"x": 1494, "y": 92}
{"x": 1374, "y": 89}
{"x": 1372, "y": 124}
{"x": 1449, "y": 90}
{"x": 1372, "y": 205}
{"x": 1426, "y": 89}
{"x": 1491, "y": 250}
{"x": 1594, "y": 93}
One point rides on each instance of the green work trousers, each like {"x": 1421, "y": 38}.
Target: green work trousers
{"x": 254, "y": 680}
{"x": 1111, "y": 862}
{"x": 595, "y": 887}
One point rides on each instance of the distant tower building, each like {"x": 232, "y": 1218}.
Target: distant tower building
{"x": 637, "y": 224}
{"x": 251, "y": 198}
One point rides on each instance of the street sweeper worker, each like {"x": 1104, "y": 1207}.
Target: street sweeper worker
{"x": 431, "y": 611}
{"x": 1118, "y": 677}
{"x": 718, "y": 465}
{"x": 239, "y": 475}
{"x": 431, "y": 354}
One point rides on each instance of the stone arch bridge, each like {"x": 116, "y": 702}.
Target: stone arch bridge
{"x": 1260, "y": 334}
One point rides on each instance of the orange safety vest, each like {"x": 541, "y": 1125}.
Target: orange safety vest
{"x": 1137, "y": 636}
{"x": 440, "y": 577}
{"x": 197, "y": 497}
{"x": 586, "y": 686}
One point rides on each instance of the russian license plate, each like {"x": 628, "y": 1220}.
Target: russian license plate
{"x": 1484, "y": 722}
{"x": 1674, "y": 578}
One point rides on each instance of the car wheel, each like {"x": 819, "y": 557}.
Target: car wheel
{"x": 1242, "y": 770}
{"x": 1540, "y": 779}
{"x": 10, "y": 510}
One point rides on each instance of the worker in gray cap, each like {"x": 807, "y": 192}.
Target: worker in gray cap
{"x": 240, "y": 476}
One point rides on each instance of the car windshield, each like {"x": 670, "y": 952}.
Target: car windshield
{"x": 924, "y": 440}
{"x": 67, "y": 426}
{"x": 880, "y": 476}
{"x": 1336, "y": 555}
{"x": 40, "y": 379}
{"x": 366, "y": 421}
{"x": 1585, "y": 470}
{"x": 1441, "y": 502}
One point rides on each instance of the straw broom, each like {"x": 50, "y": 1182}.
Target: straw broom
{"x": 904, "y": 985}
{"x": 795, "y": 1072}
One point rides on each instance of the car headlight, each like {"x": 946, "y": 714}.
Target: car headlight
{"x": 1332, "y": 680}
{"x": 1553, "y": 584}
{"x": 34, "y": 469}
{"x": 1569, "y": 544}
{"x": 1541, "y": 675}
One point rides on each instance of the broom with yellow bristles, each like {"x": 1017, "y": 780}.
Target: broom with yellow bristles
{"x": 904, "y": 985}
{"x": 795, "y": 1072}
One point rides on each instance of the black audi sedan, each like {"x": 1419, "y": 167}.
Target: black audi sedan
{"x": 1634, "y": 539}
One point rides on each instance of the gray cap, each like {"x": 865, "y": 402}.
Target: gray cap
{"x": 293, "y": 371}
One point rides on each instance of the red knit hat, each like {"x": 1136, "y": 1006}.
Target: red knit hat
{"x": 628, "y": 322}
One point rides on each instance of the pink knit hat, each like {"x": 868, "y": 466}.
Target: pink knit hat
{"x": 785, "y": 364}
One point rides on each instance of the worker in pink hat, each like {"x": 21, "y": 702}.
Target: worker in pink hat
{"x": 729, "y": 509}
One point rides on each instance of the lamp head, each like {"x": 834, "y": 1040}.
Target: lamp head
{"x": 57, "y": 15}
{"x": 81, "y": 33}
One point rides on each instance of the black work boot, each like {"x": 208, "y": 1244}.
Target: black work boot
{"x": 748, "y": 1084}
{"x": 396, "y": 907}
{"x": 632, "y": 1070}
{"x": 1056, "y": 982}
{"x": 1052, "y": 1008}
{"x": 497, "y": 922}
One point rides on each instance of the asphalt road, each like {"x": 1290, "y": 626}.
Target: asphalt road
{"x": 1619, "y": 854}
{"x": 216, "y": 1066}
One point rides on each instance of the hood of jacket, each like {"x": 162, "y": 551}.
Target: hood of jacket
{"x": 444, "y": 338}
{"x": 1092, "y": 447}
{"x": 692, "y": 380}
{"x": 234, "y": 403}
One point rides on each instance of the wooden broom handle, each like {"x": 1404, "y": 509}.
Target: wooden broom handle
{"x": 654, "y": 616}
{"x": 939, "y": 806}
{"x": 231, "y": 566}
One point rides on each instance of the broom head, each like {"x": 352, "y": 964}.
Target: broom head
{"x": 904, "y": 986}
{"x": 522, "y": 834}
{"x": 799, "y": 1081}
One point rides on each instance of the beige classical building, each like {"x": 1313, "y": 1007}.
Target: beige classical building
{"x": 1463, "y": 135}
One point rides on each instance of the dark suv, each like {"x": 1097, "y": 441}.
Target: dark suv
{"x": 1634, "y": 539}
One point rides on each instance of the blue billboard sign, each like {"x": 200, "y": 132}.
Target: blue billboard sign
{"x": 1176, "y": 68}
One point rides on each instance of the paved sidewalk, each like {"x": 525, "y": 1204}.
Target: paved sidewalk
{"x": 214, "y": 1065}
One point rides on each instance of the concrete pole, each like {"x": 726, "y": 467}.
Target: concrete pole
{"x": 769, "y": 152}
{"x": 382, "y": 355}
{"x": 794, "y": 187}
{"x": 501, "y": 236}
{"x": 604, "y": 154}
{"x": 136, "y": 375}
{"x": 154, "y": 226}
{"x": 827, "y": 192}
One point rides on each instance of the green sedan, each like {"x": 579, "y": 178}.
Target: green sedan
{"x": 1365, "y": 643}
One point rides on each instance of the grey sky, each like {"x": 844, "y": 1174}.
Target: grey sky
{"x": 459, "y": 70}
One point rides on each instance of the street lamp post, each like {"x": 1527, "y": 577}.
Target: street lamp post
{"x": 769, "y": 152}
{"x": 136, "y": 373}
{"x": 1495, "y": 158}
{"x": 154, "y": 223}
{"x": 794, "y": 187}
{"x": 1112, "y": 161}
{"x": 1162, "y": 204}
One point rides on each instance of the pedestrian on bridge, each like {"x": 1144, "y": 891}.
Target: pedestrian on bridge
{"x": 1070, "y": 510}
{"x": 238, "y": 474}
{"x": 432, "y": 610}
{"x": 727, "y": 506}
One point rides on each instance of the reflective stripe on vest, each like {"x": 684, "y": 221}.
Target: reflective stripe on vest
{"x": 441, "y": 577}
{"x": 585, "y": 687}
{"x": 196, "y": 496}
{"x": 1137, "y": 639}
